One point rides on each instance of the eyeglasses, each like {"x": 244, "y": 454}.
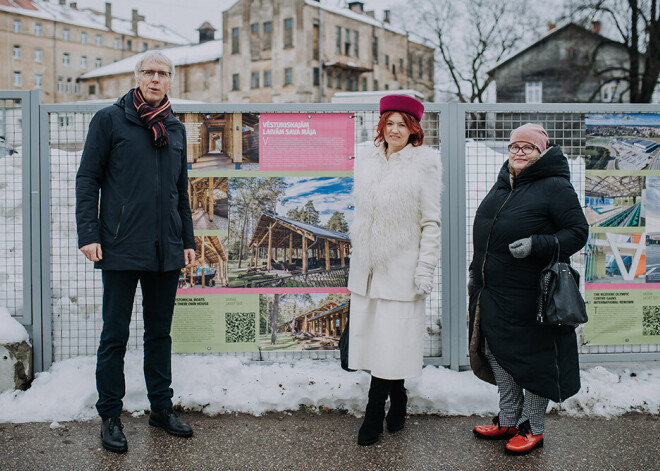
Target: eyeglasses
{"x": 158, "y": 73}
{"x": 526, "y": 149}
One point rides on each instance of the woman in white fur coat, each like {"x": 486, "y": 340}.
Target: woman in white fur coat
{"x": 395, "y": 239}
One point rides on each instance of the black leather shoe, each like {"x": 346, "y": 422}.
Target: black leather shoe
{"x": 167, "y": 419}
{"x": 112, "y": 437}
{"x": 396, "y": 417}
{"x": 372, "y": 426}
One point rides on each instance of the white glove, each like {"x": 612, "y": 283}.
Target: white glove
{"x": 521, "y": 248}
{"x": 424, "y": 278}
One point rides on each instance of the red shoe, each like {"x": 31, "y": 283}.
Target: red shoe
{"x": 494, "y": 432}
{"x": 524, "y": 442}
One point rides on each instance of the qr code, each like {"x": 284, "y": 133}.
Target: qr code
{"x": 650, "y": 320}
{"x": 240, "y": 327}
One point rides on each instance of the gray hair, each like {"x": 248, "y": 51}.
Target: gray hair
{"x": 156, "y": 56}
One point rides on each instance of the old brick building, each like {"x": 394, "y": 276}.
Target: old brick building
{"x": 48, "y": 45}
{"x": 301, "y": 51}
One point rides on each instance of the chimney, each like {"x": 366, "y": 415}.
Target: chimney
{"x": 386, "y": 17}
{"x": 357, "y": 7}
{"x": 135, "y": 18}
{"x": 108, "y": 15}
{"x": 206, "y": 32}
{"x": 551, "y": 26}
{"x": 370, "y": 13}
{"x": 595, "y": 27}
{"x": 73, "y": 5}
{"x": 63, "y": 2}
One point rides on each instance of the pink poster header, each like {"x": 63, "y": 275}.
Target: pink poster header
{"x": 300, "y": 141}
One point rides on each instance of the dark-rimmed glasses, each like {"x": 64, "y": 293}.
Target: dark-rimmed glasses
{"x": 160, "y": 73}
{"x": 526, "y": 149}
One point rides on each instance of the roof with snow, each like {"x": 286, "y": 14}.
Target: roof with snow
{"x": 364, "y": 18}
{"x": 179, "y": 55}
{"x": 549, "y": 35}
{"x": 89, "y": 18}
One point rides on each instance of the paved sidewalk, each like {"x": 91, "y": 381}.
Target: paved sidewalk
{"x": 306, "y": 441}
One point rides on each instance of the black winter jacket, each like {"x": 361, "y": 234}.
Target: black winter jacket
{"x": 144, "y": 220}
{"x": 541, "y": 204}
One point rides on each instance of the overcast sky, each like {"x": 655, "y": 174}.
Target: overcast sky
{"x": 186, "y": 16}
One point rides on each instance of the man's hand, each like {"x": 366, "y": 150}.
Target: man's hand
{"x": 189, "y": 256}
{"x": 92, "y": 252}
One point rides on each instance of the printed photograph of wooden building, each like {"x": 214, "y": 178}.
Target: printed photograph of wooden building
{"x": 209, "y": 203}
{"x": 210, "y": 268}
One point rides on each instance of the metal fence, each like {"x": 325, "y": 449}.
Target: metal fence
{"x": 44, "y": 262}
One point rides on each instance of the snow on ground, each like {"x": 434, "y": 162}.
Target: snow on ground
{"x": 219, "y": 385}
{"x": 11, "y": 331}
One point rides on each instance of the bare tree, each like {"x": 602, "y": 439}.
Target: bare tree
{"x": 470, "y": 38}
{"x": 636, "y": 23}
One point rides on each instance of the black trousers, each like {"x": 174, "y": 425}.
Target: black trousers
{"x": 158, "y": 295}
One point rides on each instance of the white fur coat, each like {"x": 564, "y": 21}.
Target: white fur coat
{"x": 397, "y": 220}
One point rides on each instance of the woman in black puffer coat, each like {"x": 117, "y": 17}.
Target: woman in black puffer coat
{"x": 514, "y": 237}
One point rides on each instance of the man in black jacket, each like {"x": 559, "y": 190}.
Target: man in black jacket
{"x": 141, "y": 230}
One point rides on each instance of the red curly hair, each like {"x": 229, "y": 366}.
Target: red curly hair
{"x": 416, "y": 137}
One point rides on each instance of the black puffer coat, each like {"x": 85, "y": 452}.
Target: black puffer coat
{"x": 541, "y": 204}
{"x": 144, "y": 220}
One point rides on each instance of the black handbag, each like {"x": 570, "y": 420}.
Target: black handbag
{"x": 559, "y": 300}
{"x": 343, "y": 346}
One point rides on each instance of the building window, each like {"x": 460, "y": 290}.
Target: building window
{"x": 60, "y": 84}
{"x": 420, "y": 67}
{"x": 78, "y": 87}
{"x": 387, "y": 86}
{"x": 69, "y": 86}
{"x": 18, "y": 79}
{"x": 400, "y": 64}
{"x": 66, "y": 34}
{"x": 268, "y": 35}
{"x": 347, "y": 83}
{"x": 99, "y": 40}
{"x": 63, "y": 121}
{"x": 83, "y": 37}
{"x": 116, "y": 43}
{"x": 375, "y": 85}
{"x": 608, "y": 93}
{"x": 364, "y": 84}
{"x": 17, "y": 52}
{"x": 288, "y": 76}
{"x": 533, "y": 92}
{"x": 83, "y": 62}
{"x": 288, "y": 33}
{"x": 66, "y": 58}
{"x": 410, "y": 65}
{"x": 99, "y": 62}
{"x": 235, "y": 82}
{"x": 254, "y": 83}
{"x": 38, "y": 55}
{"x": 129, "y": 45}
{"x": 430, "y": 70}
{"x": 328, "y": 81}
{"x": 92, "y": 90}
{"x": 17, "y": 25}
{"x": 338, "y": 82}
{"x": 315, "y": 39}
{"x": 254, "y": 28}
{"x": 374, "y": 49}
{"x": 234, "y": 40}
{"x": 338, "y": 32}
{"x": 38, "y": 31}
{"x": 315, "y": 73}
{"x": 38, "y": 81}
{"x": 387, "y": 59}
{"x": 356, "y": 52}
{"x": 145, "y": 46}
{"x": 267, "y": 78}
{"x": 347, "y": 42}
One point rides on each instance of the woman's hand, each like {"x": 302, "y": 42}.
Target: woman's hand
{"x": 424, "y": 278}
{"x": 521, "y": 248}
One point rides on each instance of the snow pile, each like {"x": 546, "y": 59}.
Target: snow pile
{"x": 11, "y": 331}
{"x": 217, "y": 385}
{"x": 11, "y": 235}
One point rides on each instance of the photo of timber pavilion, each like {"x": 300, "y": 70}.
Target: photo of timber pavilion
{"x": 289, "y": 232}
{"x": 302, "y": 321}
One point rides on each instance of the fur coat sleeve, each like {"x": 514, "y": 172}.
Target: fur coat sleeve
{"x": 397, "y": 220}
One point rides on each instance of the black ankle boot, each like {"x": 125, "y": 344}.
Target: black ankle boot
{"x": 396, "y": 417}
{"x": 372, "y": 426}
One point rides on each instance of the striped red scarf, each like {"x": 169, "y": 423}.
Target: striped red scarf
{"x": 153, "y": 117}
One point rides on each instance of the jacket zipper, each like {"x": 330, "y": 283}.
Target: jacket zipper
{"x": 121, "y": 215}
{"x": 557, "y": 367}
{"x": 483, "y": 265}
{"x": 158, "y": 248}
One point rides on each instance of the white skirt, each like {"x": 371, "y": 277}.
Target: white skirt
{"x": 386, "y": 337}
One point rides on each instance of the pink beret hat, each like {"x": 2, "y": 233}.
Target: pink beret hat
{"x": 532, "y": 133}
{"x": 404, "y": 103}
